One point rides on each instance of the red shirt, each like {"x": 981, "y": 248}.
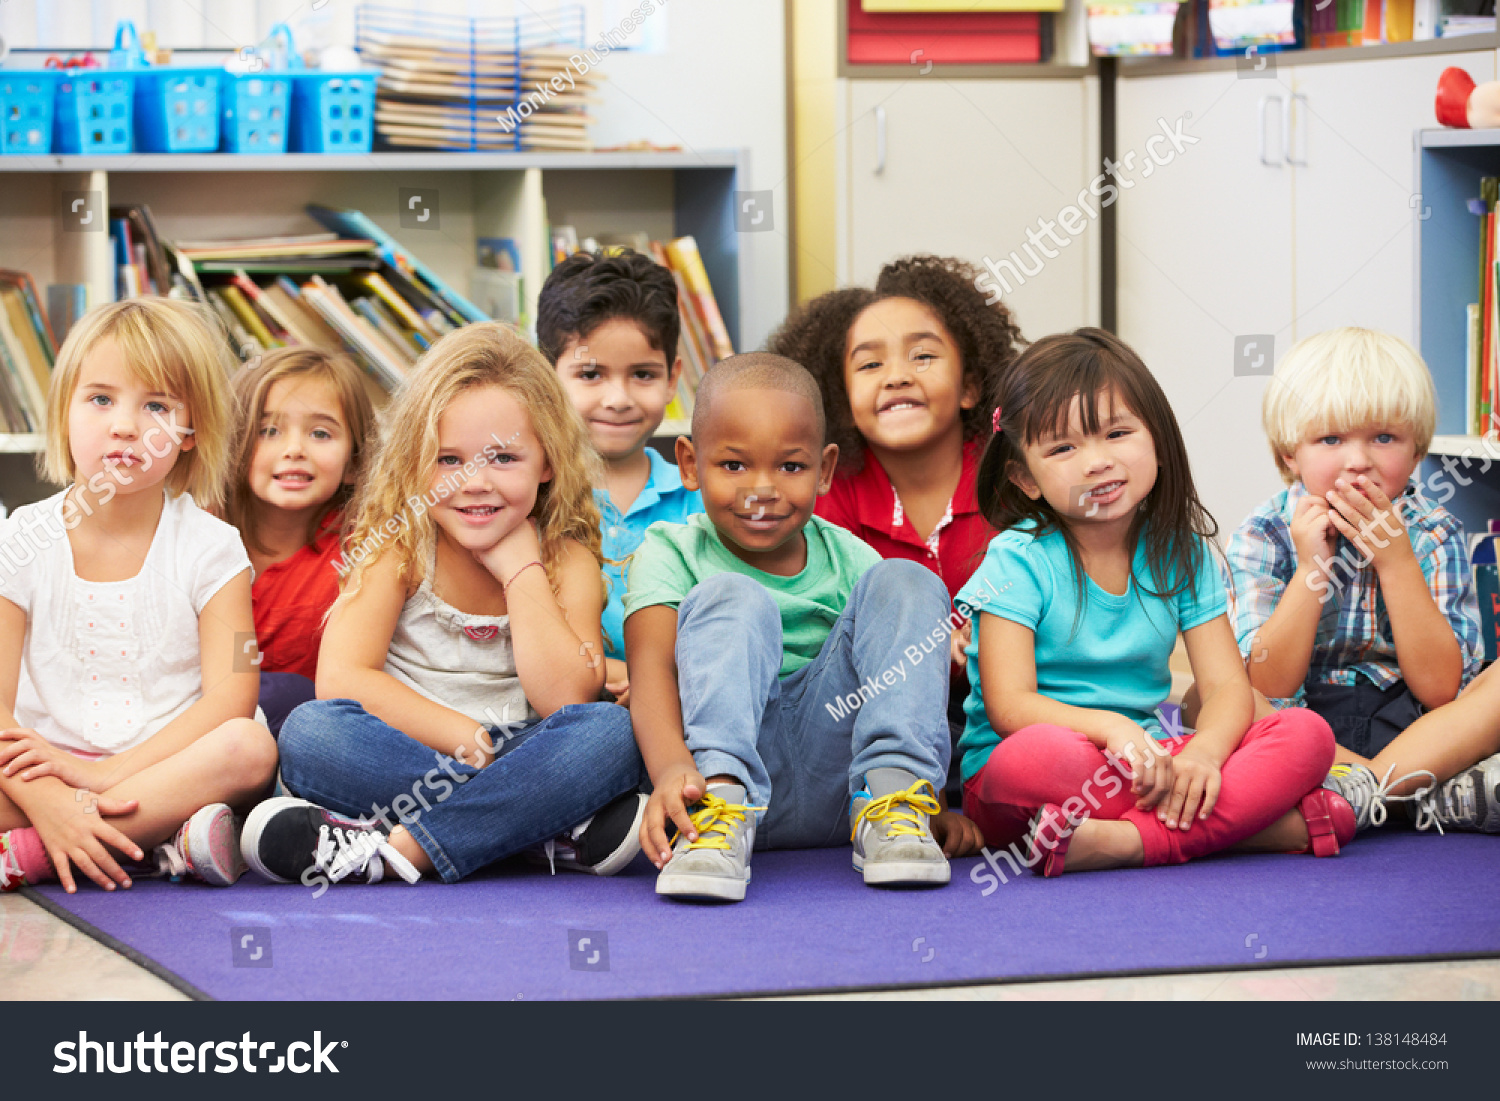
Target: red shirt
{"x": 866, "y": 504}
{"x": 290, "y": 600}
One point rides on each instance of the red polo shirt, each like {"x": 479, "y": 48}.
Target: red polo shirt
{"x": 866, "y": 504}
{"x": 289, "y": 601}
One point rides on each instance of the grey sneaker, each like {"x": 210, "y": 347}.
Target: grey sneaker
{"x": 892, "y": 831}
{"x": 1369, "y": 796}
{"x": 1469, "y": 801}
{"x": 717, "y": 865}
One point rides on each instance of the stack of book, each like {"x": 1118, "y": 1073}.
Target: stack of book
{"x": 477, "y": 84}
{"x": 27, "y": 353}
{"x": 353, "y": 287}
{"x": 1483, "y": 390}
{"x": 705, "y": 339}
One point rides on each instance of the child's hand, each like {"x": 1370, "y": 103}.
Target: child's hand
{"x": 1195, "y": 781}
{"x": 1151, "y": 770}
{"x": 617, "y": 681}
{"x": 1312, "y": 531}
{"x": 959, "y": 836}
{"x": 679, "y": 789}
{"x": 514, "y": 549}
{"x": 28, "y": 755}
{"x": 958, "y": 642}
{"x": 1364, "y": 515}
{"x": 71, "y": 826}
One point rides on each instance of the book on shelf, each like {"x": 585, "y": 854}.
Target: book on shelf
{"x": 66, "y": 303}
{"x": 28, "y": 352}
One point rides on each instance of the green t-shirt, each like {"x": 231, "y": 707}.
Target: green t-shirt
{"x": 674, "y": 557}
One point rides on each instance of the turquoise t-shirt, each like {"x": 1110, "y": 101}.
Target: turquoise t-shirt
{"x": 663, "y": 497}
{"x": 675, "y": 557}
{"x": 1116, "y": 660}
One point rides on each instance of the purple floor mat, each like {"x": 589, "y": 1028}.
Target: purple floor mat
{"x": 808, "y": 923}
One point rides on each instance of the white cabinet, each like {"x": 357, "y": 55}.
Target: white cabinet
{"x": 1222, "y": 245}
{"x": 964, "y": 168}
{"x": 1205, "y": 256}
{"x": 1355, "y": 195}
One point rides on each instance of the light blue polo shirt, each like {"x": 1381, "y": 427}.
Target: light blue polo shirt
{"x": 663, "y": 497}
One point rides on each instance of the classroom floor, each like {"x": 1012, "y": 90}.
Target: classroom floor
{"x": 43, "y": 959}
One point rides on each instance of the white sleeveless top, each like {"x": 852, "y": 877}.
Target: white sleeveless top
{"x": 459, "y": 660}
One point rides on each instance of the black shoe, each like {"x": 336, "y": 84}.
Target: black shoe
{"x": 290, "y": 840}
{"x": 601, "y": 845}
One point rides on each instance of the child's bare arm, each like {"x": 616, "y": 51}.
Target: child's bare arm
{"x": 559, "y": 654}
{"x": 1427, "y": 649}
{"x": 12, "y": 643}
{"x": 656, "y": 715}
{"x": 1228, "y": 704}
{"x": 351, "y": 665}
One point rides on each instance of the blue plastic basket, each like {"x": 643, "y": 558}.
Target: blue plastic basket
{"x": 26, "y": 104}
{"x": 254, "y": 112}
{"x": 333, "y": 112}
{"x": 177, "y": 110}
{"x": 95, "y": 110}
{"x": 93, "y": 113}
{"x": 255, "y": 107}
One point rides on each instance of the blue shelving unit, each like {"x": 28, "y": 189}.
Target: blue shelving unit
{"x": 1449, "y": 166}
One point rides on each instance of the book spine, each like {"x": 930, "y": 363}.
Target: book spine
{"x": 685, "y": 255}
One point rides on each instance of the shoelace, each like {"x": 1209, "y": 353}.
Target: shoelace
{"x": 1452, "y": 802}
{"x": 344, "y": 852}
{"x": 1373, "y": 795}
{"x": 10, "y": 866}
{"x": 715, "y": 810}
{"x": 900, "y": 809}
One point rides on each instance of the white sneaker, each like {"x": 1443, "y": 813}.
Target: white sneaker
{"x": 892, "y": 835}
{"x": 717, "y": 865}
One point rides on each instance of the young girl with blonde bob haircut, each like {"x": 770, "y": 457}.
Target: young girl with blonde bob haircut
{"x": 125, "y": 695}
{"x": 462, "y": 663}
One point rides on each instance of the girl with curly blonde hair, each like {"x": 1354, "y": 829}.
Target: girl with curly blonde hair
{"x": 458, "y": 719}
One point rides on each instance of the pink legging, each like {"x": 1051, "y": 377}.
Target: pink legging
{"x": 1280, "y": 759}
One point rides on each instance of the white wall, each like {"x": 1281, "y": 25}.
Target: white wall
{"x": 721, "y": 84}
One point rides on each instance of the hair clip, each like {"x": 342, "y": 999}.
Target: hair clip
{"x": 995, "y": 421}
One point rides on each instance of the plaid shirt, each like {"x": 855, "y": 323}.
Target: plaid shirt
{"x": 1354, "y": 632}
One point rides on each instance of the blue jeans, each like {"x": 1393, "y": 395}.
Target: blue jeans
{"x": 802, "y": 744}
{"x": 550, "y": 776}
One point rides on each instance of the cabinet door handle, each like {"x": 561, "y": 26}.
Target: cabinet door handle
{"x": 879, "y": 141}
{"x": 1286, "y": 128}
{"x": 1265, "y": 101}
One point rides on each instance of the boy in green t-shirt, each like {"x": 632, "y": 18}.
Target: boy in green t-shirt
{"x": 777, "y": 655}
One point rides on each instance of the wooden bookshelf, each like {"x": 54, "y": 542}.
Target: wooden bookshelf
{"x": 517, "y": 195}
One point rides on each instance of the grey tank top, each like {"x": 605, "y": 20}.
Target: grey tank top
{"x": 459, "y": 660}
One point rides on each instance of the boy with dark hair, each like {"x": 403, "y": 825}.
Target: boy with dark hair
{"x": 777, "y": 655}
{"x": 609, "y": 324}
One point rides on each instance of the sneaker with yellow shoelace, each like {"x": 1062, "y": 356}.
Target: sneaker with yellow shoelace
{"x": 717, "y": 865}
{"x": 892, "y": 831}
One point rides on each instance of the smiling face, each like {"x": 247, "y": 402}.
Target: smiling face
{"x": 302, "y": 452}
{"x": 122, "y": 429}
{"x": 760, "y": 461}
{"x": 1098, "y": 478}
{"x": 488, "y": 470}
{"x": 904, "y": 376}
{"x": 620, "y": 384}
{"x": 1386, "y": 454}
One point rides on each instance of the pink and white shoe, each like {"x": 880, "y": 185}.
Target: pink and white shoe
{"x": 207, "y": 847}
{"x": 23, "y": 859}
{"x": 1331, "y": 822}
{"x": 1048, "y": 855}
